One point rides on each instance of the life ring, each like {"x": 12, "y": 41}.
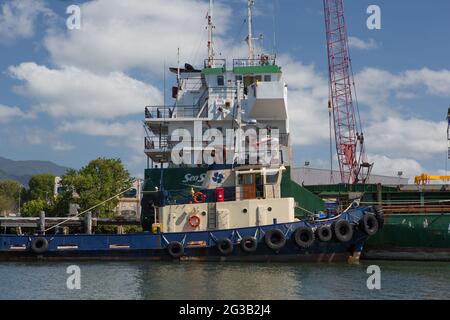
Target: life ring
{"x": 225, "y": 246}
{"x": 275, "y": 239}
{"x": 369, "y": 224}
{"x": 324, "y": 233}
{"x": 343, "y": 231}
{"x": 175, "y": 249}
{"x": 249, "y": 244}
{"x": 199, "y": 197}
{"x": 39, "y": 245}
{"x": 194, "y": 221}
{"x": 304, "y": 237}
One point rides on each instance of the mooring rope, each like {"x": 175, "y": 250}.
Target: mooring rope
{"x": 91, "y": 208}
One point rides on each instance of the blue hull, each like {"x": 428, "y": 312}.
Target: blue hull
{"x": 201, "y": 246}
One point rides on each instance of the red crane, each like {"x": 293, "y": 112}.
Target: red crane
{"x": 349, "y": 137}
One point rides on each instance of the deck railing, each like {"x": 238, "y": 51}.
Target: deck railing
{"x": 263, "y": 61}
{"x": 171, "y": 112}
{"x": 165, "y": 141}
{"x": 215, "y": 63}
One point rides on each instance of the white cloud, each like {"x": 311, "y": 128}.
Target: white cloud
{"x": 37, "y": 136}
{"x": 391, "y": 166}
{"x": 356, "y": 43}
{"x": 120, "y": 35}
{"x": 416, "y": 138}
{"x": 125, "y": 135}
{"x": 376, "y": 87}
{"x": 97, "y": 128}
{"x": 18, "y": 18}
{"x": 307, "y": 102}
{"x": 7, "y": 114}
{"x": 73, "y": 92}
{"x": 61, "y": 146}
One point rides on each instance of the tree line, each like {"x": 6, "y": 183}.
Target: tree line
{"x": 99, "y": 180}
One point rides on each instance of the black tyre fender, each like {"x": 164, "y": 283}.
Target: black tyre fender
{"x": 39, "y": 245}
{"x": 175, "y": 249}
{"x": 304, "y": 237}
{"x": 225, "y": 246}
{"x": 324, "y": 233}
{"x": 249, "y": 244}
{"x": 379, "y": 214}
{"x": 275, "y": 239}
{"x": 369, "y": 224}
{"x": 342, "y": 230}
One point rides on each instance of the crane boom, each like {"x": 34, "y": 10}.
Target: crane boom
{"x": 347, "y": 127}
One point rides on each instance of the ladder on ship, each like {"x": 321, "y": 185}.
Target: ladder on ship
{"x": 212, "y": 216}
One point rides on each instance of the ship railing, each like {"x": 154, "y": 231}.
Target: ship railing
{"x": 166, "y": 141}
{"x": 215, "y": 63}
{"x": 264, "y": 60}
{"x": 171, "y": 112}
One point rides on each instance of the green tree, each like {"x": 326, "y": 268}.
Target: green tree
{"x": 6, "y": 204}
{"x": 98, "y": 181}
{"x": 10, "y": 189}
{"x": 9, "y": 195}
{"x": 33, "y": 207}
{"x": 42, "y": 187}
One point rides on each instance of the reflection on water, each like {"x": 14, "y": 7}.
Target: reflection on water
{"x": 161, "y": 280}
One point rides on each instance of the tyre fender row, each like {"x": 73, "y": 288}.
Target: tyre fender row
{"x": 304, "y": 237}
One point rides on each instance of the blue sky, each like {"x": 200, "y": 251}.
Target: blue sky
{"x": 73, "y": 95}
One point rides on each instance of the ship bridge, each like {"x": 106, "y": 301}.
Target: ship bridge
{"x": 251, "y": 90}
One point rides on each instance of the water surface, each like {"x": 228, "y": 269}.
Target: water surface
{"x": 186, "y": 280}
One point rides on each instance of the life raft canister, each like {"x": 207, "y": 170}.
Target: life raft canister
{"x": 194, "y": 221}
{"x": 199, "y": 197}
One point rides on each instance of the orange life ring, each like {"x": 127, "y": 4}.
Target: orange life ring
{"x": 199, "y": 197}
{"x": 194, "y": 221}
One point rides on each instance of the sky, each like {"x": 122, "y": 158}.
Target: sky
{"x": 72, "y": 95}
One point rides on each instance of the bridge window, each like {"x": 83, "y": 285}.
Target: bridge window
{"x": 267, "y": 78}
{"x": 272, "y": 178}
{"x": 220, "y": 81}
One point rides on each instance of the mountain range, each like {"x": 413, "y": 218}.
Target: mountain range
{"x": 22, "y": 171}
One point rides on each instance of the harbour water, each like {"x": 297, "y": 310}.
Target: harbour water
{"x": 150, "y": 280}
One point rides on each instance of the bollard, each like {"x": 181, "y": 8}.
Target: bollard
{"x": 42, "y": 222}
{"x": 88, "y": 223}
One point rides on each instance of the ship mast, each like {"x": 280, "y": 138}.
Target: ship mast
{"x": 251, "y": 54}
{"x": 210, "y": 35}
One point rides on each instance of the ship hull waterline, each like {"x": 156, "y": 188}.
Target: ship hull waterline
{"x": 198, "y": 246}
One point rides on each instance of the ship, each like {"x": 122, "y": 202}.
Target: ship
{"x": 218, "y": 183}
{"x": 416, "y": 218}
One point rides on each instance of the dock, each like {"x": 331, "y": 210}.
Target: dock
{"x": 42, "y": 222}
